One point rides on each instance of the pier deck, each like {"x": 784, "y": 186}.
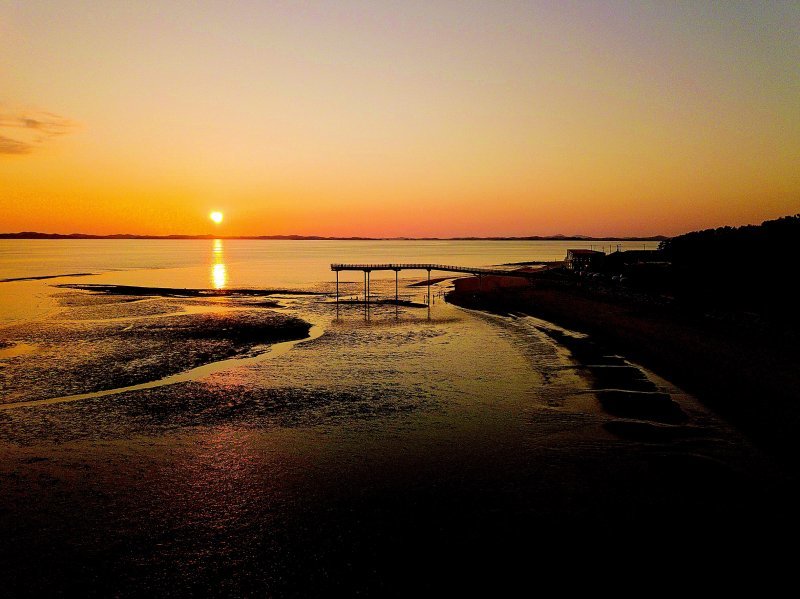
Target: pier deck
{"x": 397, "y": 267}
{"x": 475, "y": 270}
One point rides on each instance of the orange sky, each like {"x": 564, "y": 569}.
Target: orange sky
{"x": 397, "y": 118}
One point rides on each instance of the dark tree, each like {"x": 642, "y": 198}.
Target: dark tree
{"x": 753, "y": 268}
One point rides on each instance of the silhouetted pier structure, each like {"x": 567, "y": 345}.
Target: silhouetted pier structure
{"x": 473, "y": 270}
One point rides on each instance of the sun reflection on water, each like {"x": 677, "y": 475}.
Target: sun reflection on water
{"x": 219, "y": 274}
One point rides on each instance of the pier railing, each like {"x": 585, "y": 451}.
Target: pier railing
{"x": 477, "y": 270}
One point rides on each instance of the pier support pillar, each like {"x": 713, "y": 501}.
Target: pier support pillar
{"x": 429, "y": 288}
{"x": 366, "y": 295}
{"x": 396, "y": 295}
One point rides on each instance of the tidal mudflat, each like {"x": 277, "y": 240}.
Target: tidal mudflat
{"x": 115, "y": 337}
{"x": 298, "y": 448}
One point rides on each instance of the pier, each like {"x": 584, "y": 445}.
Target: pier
{"x": 472, "y": 270}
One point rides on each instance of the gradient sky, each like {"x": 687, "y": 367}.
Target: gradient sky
{"x": 407, "y": 118}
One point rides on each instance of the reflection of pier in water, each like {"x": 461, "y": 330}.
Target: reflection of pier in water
{"x": 473, "y": 270}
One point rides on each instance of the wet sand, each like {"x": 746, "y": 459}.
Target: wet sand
{"x": 749, "y": 376}
{"x": 45, "y": 277}
{"x": 135, "y": 290}
{"x": 389, "y": 456}
{"x": 94, "y": 344}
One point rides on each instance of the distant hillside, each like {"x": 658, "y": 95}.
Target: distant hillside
{"x": 582, "y": 238}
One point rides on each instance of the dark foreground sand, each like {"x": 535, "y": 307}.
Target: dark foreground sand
{"x": 396, "y": 457}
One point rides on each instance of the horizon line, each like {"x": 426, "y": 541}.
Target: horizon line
{"x": 294, "y": 237}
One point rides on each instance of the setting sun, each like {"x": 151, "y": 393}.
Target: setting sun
{"x": 216, "y": 217}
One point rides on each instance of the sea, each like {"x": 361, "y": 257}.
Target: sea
{"x": 383, "y": 451}
{"x": 231, "y": 263}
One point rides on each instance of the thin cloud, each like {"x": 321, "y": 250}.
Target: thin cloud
{"x": 24, "y": 132}
{"x": 12, "y": 146}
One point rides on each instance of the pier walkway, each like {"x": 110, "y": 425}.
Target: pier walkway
{"x": 397, "y": 267}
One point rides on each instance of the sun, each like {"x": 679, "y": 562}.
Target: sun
{"x": 216, "y": 217}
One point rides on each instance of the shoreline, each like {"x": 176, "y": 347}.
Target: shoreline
{"x": 749, "y": 379}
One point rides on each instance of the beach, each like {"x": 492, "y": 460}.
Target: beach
{"x": 744, "y": 369}
{"x": 264, "y": 440}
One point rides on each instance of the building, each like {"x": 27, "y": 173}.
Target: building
{"x": 584, "y": 260}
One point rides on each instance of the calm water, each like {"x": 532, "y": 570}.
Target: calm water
{"x": 357, "y": 460}
{"x": 261, "y": 263}
{"x": 235, "y": 263}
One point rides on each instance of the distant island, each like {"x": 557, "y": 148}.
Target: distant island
{"x": 35, "y": 235}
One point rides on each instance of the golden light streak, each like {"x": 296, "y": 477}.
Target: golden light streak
{"x": 219, "y": 273}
